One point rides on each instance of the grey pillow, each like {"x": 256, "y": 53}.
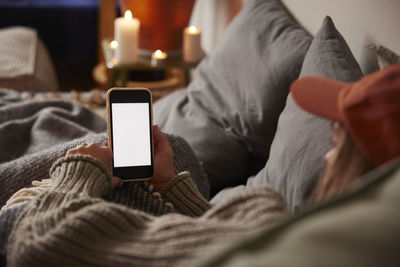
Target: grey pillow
{"x": 302, "y": 139}
{"x": 229, "y": 112}
{"x": 386, "y": 57}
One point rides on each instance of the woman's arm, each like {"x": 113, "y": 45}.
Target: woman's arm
{"x": 179, "y": 189}
{"x": 182, "y": 192}
{"x": 69, "y": 225}
{"x": 170, "y": 186}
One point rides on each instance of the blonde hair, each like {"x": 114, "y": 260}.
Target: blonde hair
{"x": 348, "y": 164}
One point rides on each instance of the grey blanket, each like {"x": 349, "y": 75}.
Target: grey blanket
{"x": 33, "y": 134}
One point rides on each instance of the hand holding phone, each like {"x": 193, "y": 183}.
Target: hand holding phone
{"x": 163, "y": 160}
{"x": 130, "y": 133}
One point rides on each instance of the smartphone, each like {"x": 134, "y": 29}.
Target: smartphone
{"x": 130, "y": 132}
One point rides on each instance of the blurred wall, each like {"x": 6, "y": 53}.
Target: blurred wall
{"x": 359, "y": 21}
{"x": 213, "y": 16}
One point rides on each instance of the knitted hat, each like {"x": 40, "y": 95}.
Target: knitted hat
{"x": 369, "y": 109}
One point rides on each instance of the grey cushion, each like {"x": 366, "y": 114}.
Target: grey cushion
{"x": 386, "y": 57}
{"x": 302, "y": 139}
{"x": 229, "y": 112}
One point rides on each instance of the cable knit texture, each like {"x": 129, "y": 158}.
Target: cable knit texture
{"x": 37, "y": 133}
{"x": 183, "y": 193}
{"x": 70, "y": 225}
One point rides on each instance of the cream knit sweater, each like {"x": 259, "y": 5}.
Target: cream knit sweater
{"x": 70, "y": 225}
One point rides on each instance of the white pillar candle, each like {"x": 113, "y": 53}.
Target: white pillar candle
{"x": 192, "y": 51}
{"x": 157, "y": 57}
{"x": 126, "y": 31}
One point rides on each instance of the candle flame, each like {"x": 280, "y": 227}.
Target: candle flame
{"x": 158, "y": 53}
{"x": 192, "y": 29}
{"x": 128, "y": 15}
{"x": 114, "y": 44}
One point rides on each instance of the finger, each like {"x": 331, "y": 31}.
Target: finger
{"x": 107, "y": 152}
{"x": 163, "y": 144}
{"x": 158, "y": 135}
{"x": 78, "y": 150}
{"x": 75, "y": 149}
{"x": 93, "y": 148}
{"x": 106, "y": 143}
{"x": 116, "y": 182}
{"x": 92, "y": 145}
{"x": 71, "y": 151}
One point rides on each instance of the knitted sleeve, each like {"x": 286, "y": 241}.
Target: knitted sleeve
{"x": 69, "y": 225}
{"x": 184, "y": 195}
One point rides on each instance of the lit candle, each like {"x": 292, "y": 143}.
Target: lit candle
{"x": 192, "y": 51}
{"x": 113, "y": 45}
{"x": 157, "y": 57}
{"x": 126, "y": 32}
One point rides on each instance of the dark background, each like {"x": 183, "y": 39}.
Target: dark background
{"x": 68, "y": 29}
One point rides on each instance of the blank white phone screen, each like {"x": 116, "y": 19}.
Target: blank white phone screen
{"x": 131, "y": 134}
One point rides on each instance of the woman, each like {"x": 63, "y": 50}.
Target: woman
{"x": 70, "y": 225}
{"x": 366, "y": 129}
